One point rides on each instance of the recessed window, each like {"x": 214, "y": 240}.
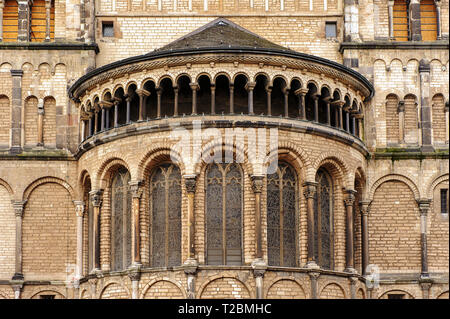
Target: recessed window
{"x": 47, "y": 296}
{"x": 396, "y": 296}
{"x": 444, "y": 200}
{"x": 330, "y": 30}
{"x": 107, "y": 29}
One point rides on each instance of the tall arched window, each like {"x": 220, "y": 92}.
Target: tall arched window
{"x": 400, "y": 20}
{"x": 121, "y": 220}
{"x": 40, "y": 16}
{"x": 224, "y": 201}
{"x": 428, "y": 20}
{"x": 323, "y": 220}
{"x": 10, "y": 21}
{"x": 165, "y": 208}
{"x": 281, "y": 217}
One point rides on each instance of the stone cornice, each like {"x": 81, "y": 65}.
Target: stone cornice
{"x": 392, "y": 45}
{"x": 48, "y": 46}
{"x": 158, "y": 60}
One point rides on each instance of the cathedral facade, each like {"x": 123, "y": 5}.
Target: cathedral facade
{"x": 224, "y": 149}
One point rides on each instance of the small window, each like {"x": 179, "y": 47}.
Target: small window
{"x": 107, "y": 29}
{"x": 47, "y": 296}
{"x": 330, "y": 30}
{"x": 444, "y": 200}
{"x": 396, "y": 296}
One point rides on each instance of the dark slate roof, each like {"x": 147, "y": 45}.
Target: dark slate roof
{"x": 221, "y": 33}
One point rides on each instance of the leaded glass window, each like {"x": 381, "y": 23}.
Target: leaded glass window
{"x": 281, "y": 217}
{"x": 224, "y": 214}
{"x": 165, "y": 207}
{"x": 323, "y": 220}
{"x": 121, "y": 220}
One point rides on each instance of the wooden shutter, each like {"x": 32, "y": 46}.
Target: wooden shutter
{"x": 10, "y": 21}
{"x": 38, "y": 21}
{"x": 400, "y": 20}
{"x": 428, "y": 21}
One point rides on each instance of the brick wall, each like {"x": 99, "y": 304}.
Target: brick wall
{"x": 225, "y": 288}
{"x": 5, "y": 119}
{"x": 114, "y": 291}
{"x": 163, "y": 290}
{"x": 394, "y": 229}
{"x": 332, "y": 291}
{"x": 285, "y": 289}
{"x": 49, "y": 235}
{"x": 7, "y": 235}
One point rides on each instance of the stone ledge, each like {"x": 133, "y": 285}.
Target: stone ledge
{"x": 392, "y": 45}
{"x": 48, "y": 46}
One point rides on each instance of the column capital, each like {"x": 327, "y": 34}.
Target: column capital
{"x": 314, "y": 275}
{"x": 96, "y": 197}
{"x": 310, "y": 189}
{"x": 18, "y": 207}
{"x": 194, "y": 86}
{"x": 315, "y": 96}
{"x": 259, "y": 267}
{"x": 134, "y": 273}
{"x": 257, "y": 183}
{"x": 249, "y": 86}
{"x": 327, "y": 99}
{"x": 105, "y": 104}
{"x": 390, "y": 2}
{"x": 285, "y": 90}
{"x": 136, "y": 188}
{"x": 349, "y": 199}
{"x": 142, "y": 92}
{"x": 268, "y": 89}
{"x": 424, "y": 206}
{"x": 401, "y": 106}
{"x": 190, "y": 181}
{"x": 79, "y": 207}
{"x": 338, "y": 103}
{"x": 364, "y": 207}
{"x": 301, "y": 91}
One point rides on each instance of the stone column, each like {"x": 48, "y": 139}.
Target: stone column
{"x": 18, "y": 207}
{"x": 438, "y": 19}
{"x": 93, "y": 285}
{"x": 250, "y": 86}
{"x": 158, "y": 102}
{"x": 190, "y": 182}
{"x": 102, "y": 121}
{"x": 136, "y": 193}
{"x": 2, "y": 5}
{"x": 213, "y": 99}
{"x": 414, "y": 20}
{"x": 17, "y": 287}
{"x": 259, "y": 268}
{"x": 269, "y": 100}
{"x": 347, "y": 119}
{"x": 90, "y": 126}
{"x": 424, "y": 206}
{"x": 128, "y": 101}
{"x": 257, "y": 185}
{"x": 391, "y": 19}
{"x": 175, "y": 101}
{"x": 301, "y": 93}
{"x": 48, "y": 5}
{"x": 401, "y": 121}
{"x": 327, "y": 103}
{"x": 315, "y": 98}
{"x": 364, "y": 211}
{"x": 447, "y": 122}
{"x": 79, "y": 211}
{"x": 18, "y": 114}
{"x": 190, "y": 269}
{"x": 353, "y": 281}
{"x": 425, "y": 286}
{"x": 314, "y": 276}
{"x": 142, "y": 95}
{"x": 351, "y": 21}
{"x": 425, "y": 109}
{"x": 309, "y": 192}
{"x": 231, "y": 98}
{"x": 135, "y": 276}
{"x": 96, "y": 198}
{"x": 286, "y": 102}
{"x": 359, "y": 117}
{"x": 116, "y": 111}
{"x": 40, "y": 112}
{"x": 339, "y": 105}
{"x": 349, "y": 249}
{"x": 194, "y": 87}
{"x": 24, "y": 12}
{"x": 96, "y": 110}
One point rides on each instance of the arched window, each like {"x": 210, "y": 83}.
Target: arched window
{"x": 400, "y": 20}
{"x": 428, "y": 21}
{"x": 224, "y": 214}
{"x": 281, "y": 217}
{"x": 165, "y": 208}
{"x": 323, "y": 220}
{"x": 121, "y": 220}
{"x": 10, "y": 21}
{"x": 39, "y": 19}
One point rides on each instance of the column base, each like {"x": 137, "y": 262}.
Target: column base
{"x": 312, "y": 265}
{"x": 350, "y": 270}
{"x": 17, "y": 277}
